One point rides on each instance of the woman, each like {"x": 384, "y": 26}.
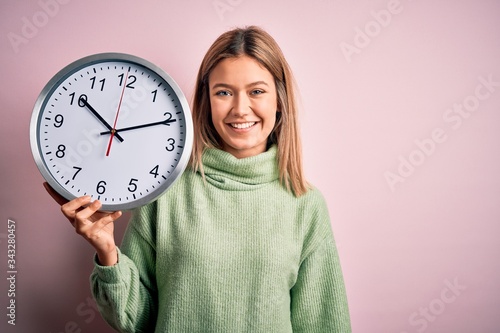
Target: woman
{"x": 240, "y": 243}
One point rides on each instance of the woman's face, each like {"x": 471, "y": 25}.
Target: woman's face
{"x": 244, "y": 105}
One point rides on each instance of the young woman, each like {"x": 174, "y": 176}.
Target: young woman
{"x": 241, "y": 242}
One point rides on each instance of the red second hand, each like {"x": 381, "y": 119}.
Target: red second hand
{"x": 113, "y": 131}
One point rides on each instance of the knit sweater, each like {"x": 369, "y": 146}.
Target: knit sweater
{"x": 234, "y": 253}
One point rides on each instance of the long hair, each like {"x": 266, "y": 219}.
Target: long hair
{"x": 256, "y": 43}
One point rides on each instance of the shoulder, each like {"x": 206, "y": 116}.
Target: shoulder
{"x": 314, "y": 202}
{"x": 314, "y": 195}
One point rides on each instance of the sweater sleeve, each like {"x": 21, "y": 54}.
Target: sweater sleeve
{"x": 318, "y": 298}
{"x": 126, "y": 292}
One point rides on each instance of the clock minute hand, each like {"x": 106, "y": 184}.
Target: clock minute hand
{"x": 163, "y": 122}
{"x": 84, "y": 102}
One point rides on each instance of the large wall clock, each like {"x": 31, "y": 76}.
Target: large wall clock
{"x": 113, "y": 126}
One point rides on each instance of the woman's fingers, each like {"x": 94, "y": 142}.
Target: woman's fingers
{"x": 116, "y": 215}
{"x": 95, "y": 226}
{"x": 90, "y": 210}
{"x": 95, "y": 231}
{"x": 90, "y": 221}
{"x": 71, "y": 208}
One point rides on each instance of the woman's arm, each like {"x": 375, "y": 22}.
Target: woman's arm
{"x": 126, "y": 292}
{"x": 123, "y": 283}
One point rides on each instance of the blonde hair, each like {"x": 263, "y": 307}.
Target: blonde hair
{"x": 254, "y": 42}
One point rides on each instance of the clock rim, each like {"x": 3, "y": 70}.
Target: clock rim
{"x": 87, "y": 61}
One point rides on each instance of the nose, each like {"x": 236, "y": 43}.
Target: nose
{"x": 241, "y": 105}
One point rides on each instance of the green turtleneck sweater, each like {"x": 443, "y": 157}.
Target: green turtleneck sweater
{"x": 237, "y": 253}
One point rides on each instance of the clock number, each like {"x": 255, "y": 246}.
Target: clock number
{"x": 169, "y": 116}
{"x": 80, "y": 103}
{"x": 121, "y": 79}
{"x": 154, "y": 92}
{"x": 133, "y": 185}
{"x": 78, "y": 169}
{"x": 170, "y": 146}
{"x": 60, "y": 151}
{"x": 132, "y": 79}
{"x": 72, "y": 98}
{"x": 93, "y": 83}
{"x": 100, "y": 187}
{"x": 154, "y": 171}
{"x": 59, "y": 119}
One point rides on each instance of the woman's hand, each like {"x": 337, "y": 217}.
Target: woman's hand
{"x": 96, "y": 227}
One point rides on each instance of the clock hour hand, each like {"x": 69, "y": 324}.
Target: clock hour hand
{"x": 83, "y": 102}
{"x": 163, "y": 122}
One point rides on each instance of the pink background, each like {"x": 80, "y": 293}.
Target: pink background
{"x": 412, "y": 185}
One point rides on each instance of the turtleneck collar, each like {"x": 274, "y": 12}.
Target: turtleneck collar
{"x": 228, "y": 172}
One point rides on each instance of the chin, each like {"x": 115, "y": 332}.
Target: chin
{"x": 245, "y": 149}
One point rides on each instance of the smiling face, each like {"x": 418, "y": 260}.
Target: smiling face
{"x": 243, "y": 101}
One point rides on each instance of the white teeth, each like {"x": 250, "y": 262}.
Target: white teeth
{"x": 242, "y": 125}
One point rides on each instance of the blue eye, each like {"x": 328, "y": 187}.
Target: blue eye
{"x": 222, "y": 93}
{"x": 257, "y": 92}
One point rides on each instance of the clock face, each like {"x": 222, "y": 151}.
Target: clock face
{"x": 112, "y": 126}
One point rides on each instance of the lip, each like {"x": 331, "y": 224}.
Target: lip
{"x": 243, "y": 126}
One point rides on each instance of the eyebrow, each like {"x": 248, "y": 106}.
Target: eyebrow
{"x": 225, "y": 85}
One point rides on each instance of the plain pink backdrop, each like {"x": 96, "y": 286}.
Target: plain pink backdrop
{"x": 411, "y": 183}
